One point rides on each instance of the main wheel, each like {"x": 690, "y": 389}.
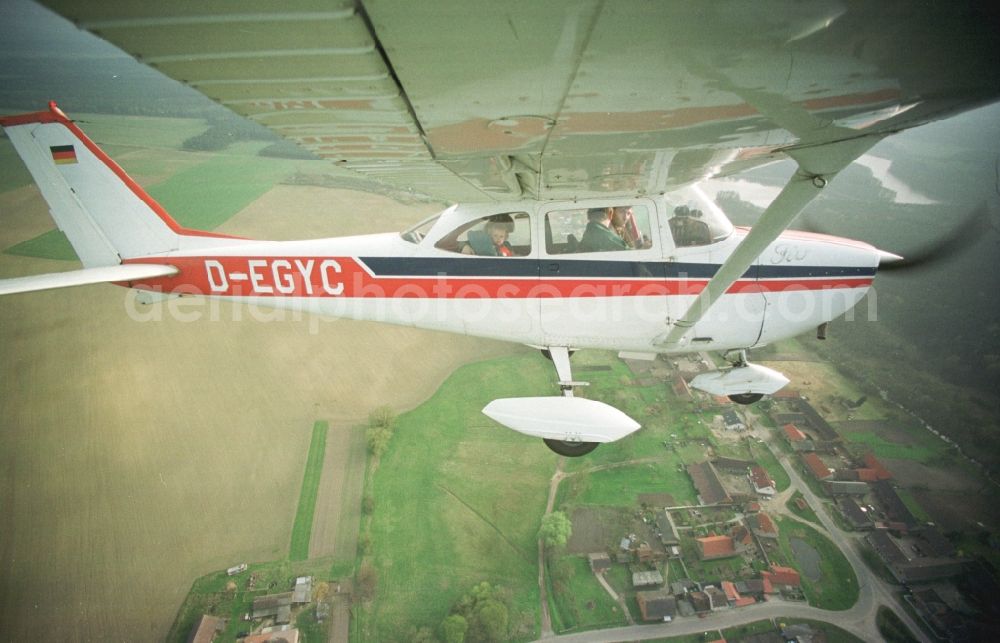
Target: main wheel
{"x": 570, "y": 449}
{"x": 746, "y": 398}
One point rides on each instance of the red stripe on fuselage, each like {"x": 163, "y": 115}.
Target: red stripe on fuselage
{"x": 344, "y": 277}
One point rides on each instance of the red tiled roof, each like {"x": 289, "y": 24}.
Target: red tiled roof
{"x": 730, "y": 589}
{"x": 872, "y": 462}
{"x": 743, "y": 601}
{"x": 765, "y": 524}
{"x": 793, "y": 433}
{"x": 716, "y": 546}
{"x": 867, "y": 475}
{"x": 817, "y": 466}
{"x": 784, "y": 575}
{"x": 760, "y": 477}
{"x": 768, "y": 587}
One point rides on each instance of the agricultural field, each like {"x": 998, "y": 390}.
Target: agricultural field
{"x": 144, "y": 448}
{"x": 457, "y": 501}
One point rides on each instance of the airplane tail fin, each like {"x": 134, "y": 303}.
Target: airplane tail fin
{"x": 106, "y": 215}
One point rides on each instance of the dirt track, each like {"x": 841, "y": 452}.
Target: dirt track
{"x": 138, "y": 455}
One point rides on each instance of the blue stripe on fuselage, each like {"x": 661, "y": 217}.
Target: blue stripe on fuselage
{"x": 516, "y": 267}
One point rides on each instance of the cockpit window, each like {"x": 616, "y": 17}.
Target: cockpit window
{"x": 419, "y": 231}
{"x": 601, "y": 229}
{"x": 498, "y": 235}
{"x": 694, "y": 224}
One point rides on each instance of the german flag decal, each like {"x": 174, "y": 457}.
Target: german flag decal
{"x": 63, "y": 154}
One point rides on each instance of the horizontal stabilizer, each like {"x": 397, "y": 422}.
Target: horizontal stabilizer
{"x": 570, "y": 419}
{"x": 105, "y": 274}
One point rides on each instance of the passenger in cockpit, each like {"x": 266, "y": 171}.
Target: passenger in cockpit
{"x": 599, "y": 236}
{"x": 624, "y": 224}
{"x": 491, "y": 241}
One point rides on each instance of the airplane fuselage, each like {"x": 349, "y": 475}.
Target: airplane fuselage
{"x": 624, "y": 299}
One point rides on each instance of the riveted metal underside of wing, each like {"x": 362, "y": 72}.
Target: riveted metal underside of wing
{"x": 483, "y": 100}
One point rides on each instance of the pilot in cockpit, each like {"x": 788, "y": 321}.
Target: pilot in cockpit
{"x": 688, "y": 229}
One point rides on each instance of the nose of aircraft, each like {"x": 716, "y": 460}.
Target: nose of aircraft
{"x": 887, "y": 258}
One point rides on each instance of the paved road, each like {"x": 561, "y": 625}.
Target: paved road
{"x": 859, "y": 620}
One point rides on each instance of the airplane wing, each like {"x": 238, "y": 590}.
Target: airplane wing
{"x": 485, "y": 100}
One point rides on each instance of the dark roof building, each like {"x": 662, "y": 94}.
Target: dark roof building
{"x": 665, "y": 525}
{"x": 706, "y": 482}
{"x": 278, "y": 606}
{"x": 717, "y": 597}
{"x": 855, "y": 515}
{"x": 845, "y": 488}
{"x": 599, "y": 562}
{"x": 894, "y": 506}
{"x": 656, "y": 606}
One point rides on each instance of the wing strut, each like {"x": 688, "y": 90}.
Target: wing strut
{"x": 818, "y": 164}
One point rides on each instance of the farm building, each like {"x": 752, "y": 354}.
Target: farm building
{"x": 656, "y": 606}
{"x": 712, "y": 547}
{"x": 206, "y": 628}
{"x": 855, "y": 515}
{"x": 873, "y": 463}
{"x": 845, "y": 488}
{"x": 667, "y": 530}
{"x": 277, "y": 606}
{"x": 647, "y": 579}
{"x": 816, "y": 466}
{"x": 707, "y": 484}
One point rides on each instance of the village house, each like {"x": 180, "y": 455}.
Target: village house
{"x": 762, "y": 525}
{"x": 761, "y": 481}
{"x": 816, "y": 466}
{"x": 733, "y": 421}
{"x": 780, "y": 576}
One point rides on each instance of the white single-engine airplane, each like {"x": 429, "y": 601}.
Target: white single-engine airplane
{"x": 572, "y": 134}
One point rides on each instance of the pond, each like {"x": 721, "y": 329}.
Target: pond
{"x": 807, "y": 557}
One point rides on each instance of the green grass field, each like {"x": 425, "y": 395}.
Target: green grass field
{"x": 837, "y": 587}
{"x": 926, "y": 451}
{"x": 459, "y": 500}
{"x": 302, "y": 529}
{"x": 581, "y": 602}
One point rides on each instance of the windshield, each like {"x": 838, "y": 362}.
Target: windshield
{"x": 416, "y": 233}
{"x": 696, "y": 221}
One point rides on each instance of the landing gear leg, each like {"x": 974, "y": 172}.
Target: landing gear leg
{"x": 560, "y": 357}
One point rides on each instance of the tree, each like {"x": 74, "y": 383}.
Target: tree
{"x": 556, "y": 529}
{"x": 383, "y": 417}
{"x": 454, "y": 628}
{"x": 367, "y": 579}
{"x": 492, "y": 618}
